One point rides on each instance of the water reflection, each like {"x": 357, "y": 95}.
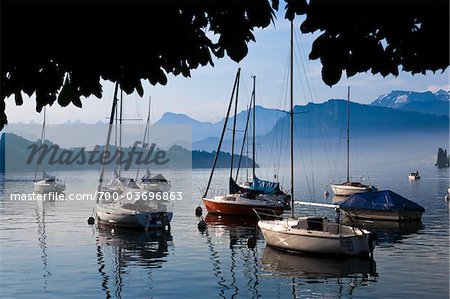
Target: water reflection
{"x": 41, "y": 209}
{"x": 387, "y": 231}
{"x": 338, "y": 199}
{"x": 236, "y": 271}
{"x": 120, "y": 250}
{"x": 347, "y": 273}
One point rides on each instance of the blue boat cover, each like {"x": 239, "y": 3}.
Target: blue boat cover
{"x": 385, "y": 200}
{"x": 266, "y": 187}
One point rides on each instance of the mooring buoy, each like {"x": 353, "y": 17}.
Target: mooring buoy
{"x": 91, "y": 220}
{"x": 251, "y": 242}
{"x": 198, "y": 211}
{"x": 201, "y": 225}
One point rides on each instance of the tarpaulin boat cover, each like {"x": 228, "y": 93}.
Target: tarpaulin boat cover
{"x": 235, "y": 188}
{"x": 266, "y": 187}
{"x": 158, "y": 178}
{"x": 385, "y": 200}
{"x": 257, "y": 187}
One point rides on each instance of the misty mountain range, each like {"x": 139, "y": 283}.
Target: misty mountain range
{"x": 398, "y": 113}
{"x": 394, "y": 112}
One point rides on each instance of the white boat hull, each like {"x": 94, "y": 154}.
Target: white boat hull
{"x": 156, "y": 187}
{"x": 281, "y": 234}
{"x": 344, "y": 190}
{"x": 43, "y": 186}
{"x": 132, "y": 219}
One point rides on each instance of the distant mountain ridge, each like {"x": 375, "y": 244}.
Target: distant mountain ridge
{"x": 266, "y": 119}
{"x": 328, "y": 120}
{"x": 426, "y": 102}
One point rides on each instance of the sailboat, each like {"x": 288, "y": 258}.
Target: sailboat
{"x": 311, "y": 234}
{"x": 157, "y": 183}
{"x": 119, "y": 183}
{"x": 240, "y": 200}
{"x": 48, "y": 183}
{"x": 349, "y": 187}
{"x": 257, "y": 185}
{"x": 131, "y": 206}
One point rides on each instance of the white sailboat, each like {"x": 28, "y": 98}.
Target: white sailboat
{"x": 149, "y": 182}
{"x": 47, "y": 183}
{"x": 317, "y": 235}
{"x": 129, "y": 206}
{"x": 349, "y": 187}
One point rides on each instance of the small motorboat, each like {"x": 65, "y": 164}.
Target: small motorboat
{"x": 414, "y": 176}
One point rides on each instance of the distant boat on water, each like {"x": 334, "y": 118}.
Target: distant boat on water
{"x": 442, "y": 160}
{"x": 348, "y": 187}
{"x": 414, "y": 176}
{"x": 48, "y": 183}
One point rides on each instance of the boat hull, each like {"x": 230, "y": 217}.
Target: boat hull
{"x": 130, "y": 219}
{"x": 156, "y": 187}
{"x": 384, "y": 215}
{"x": 238, "y": 208}
{"x": 284, "y": 237}
{"x": 344, "y": 190}
{"x": 43, "y": 187}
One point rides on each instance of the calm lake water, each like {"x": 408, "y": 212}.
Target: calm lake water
{"x": 49, "y": 250}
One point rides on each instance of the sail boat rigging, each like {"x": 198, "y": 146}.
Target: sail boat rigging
{"x": 312, "y": 234}
{"x": 349, "y": 187}
{"x": 48, "y": 183}
{"x": 263, "y": 186}
{"x": 241, "y": 200}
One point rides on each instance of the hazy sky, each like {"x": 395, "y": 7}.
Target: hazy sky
{"x": 205, "y": 95}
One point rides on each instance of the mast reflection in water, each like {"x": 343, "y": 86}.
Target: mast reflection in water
{"x": 41, "y": 210}
{"x": 127, "y": 258}
{"x": 236, "y": 270}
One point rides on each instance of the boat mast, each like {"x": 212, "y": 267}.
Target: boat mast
{"x": 234, "y": 129}
{"x": 42, "y": 143}
{"x": 246, "y": 160}
{"x": 348, "y": 134}
{"x": 145, "y": 134}
{"x": 120, "y": 132}
{"x": 244, "y": 141}
{"x": 108, "y": 138}
{"x": 291, "y": 114}
{"x": 254, "y": 127}
{"x": 236, "y": 80}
